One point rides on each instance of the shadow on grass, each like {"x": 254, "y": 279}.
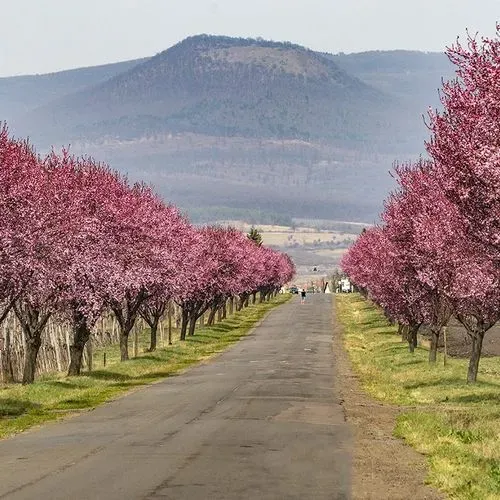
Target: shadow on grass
{"x": 10, "y": 407}
{"x": 76, "y": 403}
{"x": 221, "y": 328}
{"x": 380, "y": 330}
{"x": 374, "y": 323}
{"x": 476, "y": 398}
{"x": 458, "y": 382}
{"x": 200, "y": 339}
{"x": 63, "y": 383}
{"x": 411, "y": 362}
{"x": 155, "y": 376}
{"x": 108, "y": 375}
{"x": 158, "y": 359}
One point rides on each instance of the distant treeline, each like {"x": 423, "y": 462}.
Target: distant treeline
{"x": 213, "y": 214}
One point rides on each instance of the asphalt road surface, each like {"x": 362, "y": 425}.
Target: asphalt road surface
{"x": 261, "y": 421}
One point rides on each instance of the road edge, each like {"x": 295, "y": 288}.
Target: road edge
{"x": 384, "y": 467}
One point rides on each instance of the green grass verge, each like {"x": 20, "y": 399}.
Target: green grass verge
{"x": 55, "y": 396}
{"x": 456, "y": 425}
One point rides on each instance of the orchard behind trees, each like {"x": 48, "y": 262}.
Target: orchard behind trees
{"x": 437, "y": 252}
{"x": 77, "y": 241}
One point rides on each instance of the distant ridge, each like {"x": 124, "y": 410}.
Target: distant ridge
{"x": 20, "y": 94}
{"x": 223, "y": 86}
{"x": 224, "y": 125}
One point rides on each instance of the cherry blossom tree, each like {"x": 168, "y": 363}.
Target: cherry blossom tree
{"x": 19, "y": 175}
{"x": 152, "y": 310}
{"x": 377, "y": 263}
{"x": 465, "y": 147}
{"x": 216, "y": 263}
{"x": 76, "y": 240}
{"x": 152, "y": 246}
{"x": 424, "y": 224}
{"x": 225, "y": 263}
{"x": 32, "y": 235}
{"x": 90, "y": 196}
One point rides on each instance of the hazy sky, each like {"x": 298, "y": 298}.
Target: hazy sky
{"x": 38, "y": 36}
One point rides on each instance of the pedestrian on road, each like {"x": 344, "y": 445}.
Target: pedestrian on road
{"x": 302, "y": 295}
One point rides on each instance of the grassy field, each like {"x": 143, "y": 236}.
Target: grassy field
{"x": 284, "y": 236}
{"x": 55, "y": 396}
{"x": 289, "y": 238}
{"x": 457, "y": 426}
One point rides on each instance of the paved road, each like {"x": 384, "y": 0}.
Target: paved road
{"x": 261, "y": 421}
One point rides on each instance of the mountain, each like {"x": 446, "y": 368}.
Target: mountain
{"x": 20, "y": 94}
{"x": 413, "y": 77}
{"x": 227, "y": 87}
{"x": 219, "y": 123}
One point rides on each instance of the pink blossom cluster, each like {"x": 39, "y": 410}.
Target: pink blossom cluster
{"x": 437, "y": 251}
{"x": 76, "y": 239}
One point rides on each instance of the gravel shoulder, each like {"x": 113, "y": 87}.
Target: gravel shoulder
{"x": 383, "y": 466}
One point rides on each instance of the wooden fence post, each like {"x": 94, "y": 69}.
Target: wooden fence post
{"x": 445, "y": 338}
{"x": 170, "y": 322}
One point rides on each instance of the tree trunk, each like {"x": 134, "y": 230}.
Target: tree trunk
{"x": 152, "y": 313}
{"x": 7, "y": 368}
{"x": 192, "y": 324}
{"x": 81, "y": 334}
{"x": 242, "y": 300}
{"x": 184, "y": 323}
{"x": 261, "y": 298}
{"x": 412, "y": 337}
{"x": 154, "y": 335}
{"x": 254, "y": 297}
{"x": 211, "y": 316}
{"x": 33, "y": 322}
{"x": 400, "y": 329}
{"x": 411, "y": 345}
{"x": 126, "y": 313}
{"x": 32, "y": 348}
{"x": 434, "y": 345}
{"x": 170, "y": 307}
{"x": 124, "y": 334}
{"x": 477, "y": 345}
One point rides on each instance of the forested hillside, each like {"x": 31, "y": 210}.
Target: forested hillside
{"x": 247, "y": 124}
{"x": 21, "y": 94}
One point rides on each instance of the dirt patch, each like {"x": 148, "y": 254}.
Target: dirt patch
{"x": 383, "y": 467}
{"x": 460, "y": 344}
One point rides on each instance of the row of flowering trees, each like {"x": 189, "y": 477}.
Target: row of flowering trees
{"x": 437, "y": 251}
{"x": 76, "y": 239}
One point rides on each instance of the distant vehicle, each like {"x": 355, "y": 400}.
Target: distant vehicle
{"x": 293, "y": 289}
